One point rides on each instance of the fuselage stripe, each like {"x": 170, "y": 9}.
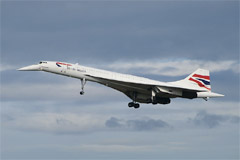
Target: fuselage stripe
{"x": 63, "y": 64}
{"x": 201, "y": 76}
{"x": 199, "y": 83}
{"x": 204, "y": 81}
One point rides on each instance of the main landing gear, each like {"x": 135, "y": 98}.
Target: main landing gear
{"x": 83, "y": 82}
{"x": 134, "y": 104}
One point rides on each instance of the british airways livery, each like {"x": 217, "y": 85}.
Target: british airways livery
{"x": 138, "y": 89}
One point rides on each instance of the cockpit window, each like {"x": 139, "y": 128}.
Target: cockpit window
{"x": 42, "y": 62}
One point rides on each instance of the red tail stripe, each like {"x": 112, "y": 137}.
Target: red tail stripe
{"x": 199, "y": 83}
{"x": 64, "y": 64}
{"x": 201, "y": 76}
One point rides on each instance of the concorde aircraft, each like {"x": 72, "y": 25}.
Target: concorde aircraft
{"x": 138, "y": 89}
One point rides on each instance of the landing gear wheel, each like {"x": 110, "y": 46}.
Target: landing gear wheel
{"x": 131, "y": 104}
{"x": 136, "y": 105}
{"x": 82, "y": 93}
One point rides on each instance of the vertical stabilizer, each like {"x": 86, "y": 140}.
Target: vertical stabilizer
{"x": 200, "y": 78}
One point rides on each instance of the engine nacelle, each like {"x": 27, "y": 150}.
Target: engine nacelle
{"x": 190, "y": 95}
{"x": 145, "y": 98}
{"x": 161, "y": 100}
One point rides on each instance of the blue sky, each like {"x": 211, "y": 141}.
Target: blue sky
{"x": 44, "y": 117}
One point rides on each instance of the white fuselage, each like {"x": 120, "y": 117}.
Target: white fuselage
{"x": 80, "y": 72}
{"x": 139, "y": 89}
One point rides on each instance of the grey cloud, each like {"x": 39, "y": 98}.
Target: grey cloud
{"x": 62, "y": 122}
{"x": 59, "y": 123}
{"x": 58, "y": 92}
{"x": 150, "y": 124}
{"x": 147, "y": 124}
{"x": 205, "y": 119}
{"x": 235, "y": 119}
{"x": 6, "y": 118}
{"x": 113, "y": 123}
{"x": 172, "y": 67}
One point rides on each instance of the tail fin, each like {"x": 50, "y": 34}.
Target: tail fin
{"x": 201, "y": 78}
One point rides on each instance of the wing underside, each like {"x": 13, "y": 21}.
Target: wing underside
{"x": 127, "y": 88}
{"x": 144, "y": 91}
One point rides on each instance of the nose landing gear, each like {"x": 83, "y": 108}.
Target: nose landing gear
{"x": 83, "y": 82}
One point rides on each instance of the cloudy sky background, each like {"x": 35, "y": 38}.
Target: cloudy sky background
{"x": 44, "y": 117}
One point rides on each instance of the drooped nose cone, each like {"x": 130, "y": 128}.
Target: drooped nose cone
{"x": 30, "y": 68}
